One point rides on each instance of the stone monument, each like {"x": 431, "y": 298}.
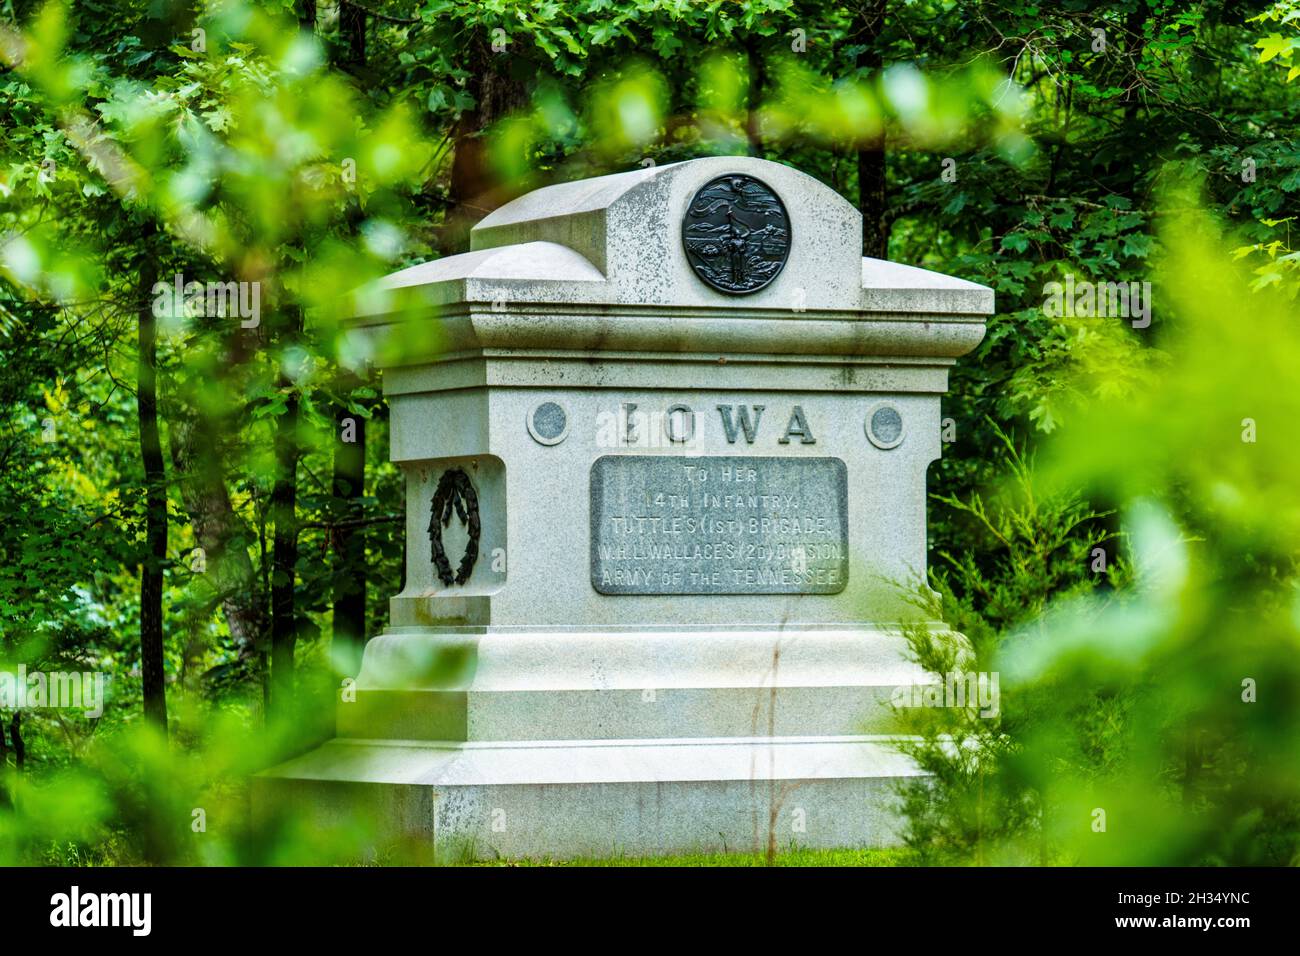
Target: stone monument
{"x": 665, "y": 437}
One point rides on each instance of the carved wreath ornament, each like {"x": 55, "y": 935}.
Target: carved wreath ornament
{"x": 455, "y": 493}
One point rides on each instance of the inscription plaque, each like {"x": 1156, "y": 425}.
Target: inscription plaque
{"x": 719, "y": 524}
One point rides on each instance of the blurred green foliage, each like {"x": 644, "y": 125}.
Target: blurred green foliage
{"x": 1152, "y": 720}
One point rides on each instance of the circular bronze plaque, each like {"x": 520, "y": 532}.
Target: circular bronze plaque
{"x": 736, "y": 234}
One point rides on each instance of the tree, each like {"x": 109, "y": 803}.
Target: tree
{"x": 155, "y": 478}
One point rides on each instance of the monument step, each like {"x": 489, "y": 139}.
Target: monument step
{"x": 508, "y": 715}
{"x": 640, "y": 658}
{"x": 602, "y": 798}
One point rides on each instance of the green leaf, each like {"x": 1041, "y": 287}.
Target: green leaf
{"x": 1274, "y": 45}
{"x": 1062, "y": 220}
{"x": 1137, "y": 245}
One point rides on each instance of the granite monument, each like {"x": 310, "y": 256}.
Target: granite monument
{"x": 665, "y": 436}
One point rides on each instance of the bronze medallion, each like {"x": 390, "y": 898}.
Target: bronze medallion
{"x": 736, "y": 233}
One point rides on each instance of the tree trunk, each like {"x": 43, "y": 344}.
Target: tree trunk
{"x": 4, "y": 766}
{"x": 284, "y": 544}
{"x": 871, "y": 200}
{"x": 284, "y": 557}
{"x": 219, "y": 532}
{"x": 474, "y": 192}
{"x": 1134, "y": 50}
{"x": 15, "y": 734}
{"x": 155, "y": 477}
{"x": 352, "y": 24}
{"x": 869, "y": 21}
{"x": 754, "y": 97}
{"x": 349, "y": 542}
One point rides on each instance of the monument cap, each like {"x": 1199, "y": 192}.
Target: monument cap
{"x": 666, "y": 258}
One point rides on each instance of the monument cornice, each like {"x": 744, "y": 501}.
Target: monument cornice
{"x": 546, "y": 273}
{"x": 419, "y": 337}
{"x": 540, "y": 369}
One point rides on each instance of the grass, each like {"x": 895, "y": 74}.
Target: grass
{"x": 792, "y": 857}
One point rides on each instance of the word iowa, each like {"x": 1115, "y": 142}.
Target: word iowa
{"x": 73, "y": 909}
{"x": 680, "y": 424}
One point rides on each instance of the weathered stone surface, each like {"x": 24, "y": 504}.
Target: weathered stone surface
{"x": 562, "y": 702}
{"x": 726, "y": 524}
{"x": 547, "y": 268}
{"x": 603, "y": 799}
{"x": 546, "y": 514}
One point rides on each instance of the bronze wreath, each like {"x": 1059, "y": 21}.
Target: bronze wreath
{"x": 454, "y": 493}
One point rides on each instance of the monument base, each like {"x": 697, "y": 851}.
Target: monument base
{"x": 604, "y": 798}
{"x": 542, "y": 744}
